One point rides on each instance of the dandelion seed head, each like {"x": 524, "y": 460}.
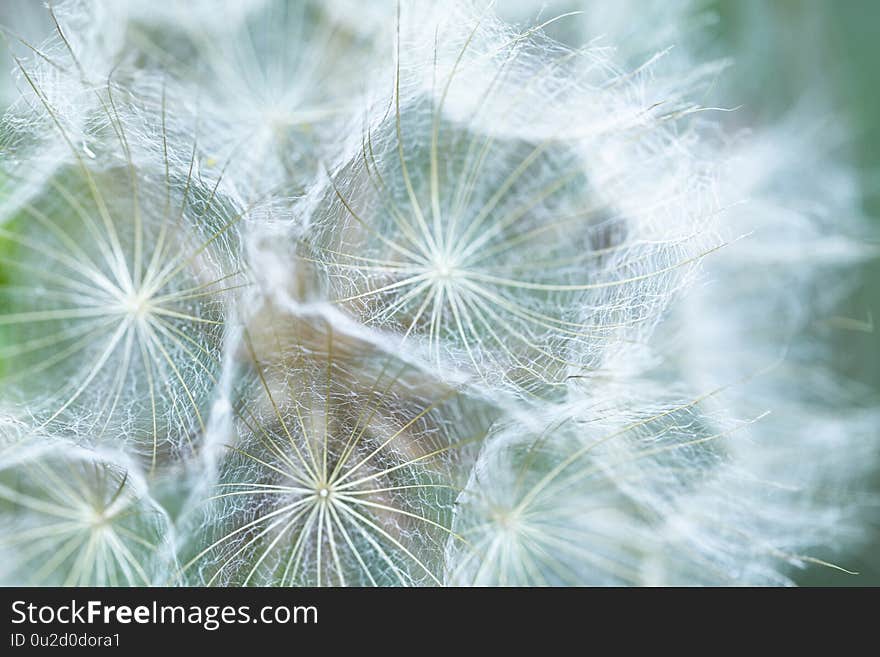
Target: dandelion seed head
{"x": 404, "y": 294}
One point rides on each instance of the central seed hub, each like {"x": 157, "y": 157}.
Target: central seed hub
{"x": 99, "y": 519}
{"x": 323, "y": 493}
{"x": 443, "y": 269}
{"x": 137, "y": 305}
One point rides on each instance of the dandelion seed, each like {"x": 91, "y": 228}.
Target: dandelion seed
{"x": 276, "y": 82}
{"x": 113, "y": 281}
{"x": 498, "y": 249}
{"x": 338, "y": 476}
{"x": 525, "y": 523}
{"x": 464, "y": 349}
{"x": 586, "y": 500}
{"x": 74, "y": 519}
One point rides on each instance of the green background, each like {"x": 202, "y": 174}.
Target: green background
{"x": 784, "y": 50}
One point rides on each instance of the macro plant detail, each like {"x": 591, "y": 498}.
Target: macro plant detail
{"x": 336, "y": 477}
{"x": 498, "y": 248}
{"x": 74, "y": 519}
{"x": 271, "y": 79}
{"x": 114, "y": 280}
{"x": 300, "y": 293}
{"x": 520, "y": 535}
{"x": 619, "y": 482}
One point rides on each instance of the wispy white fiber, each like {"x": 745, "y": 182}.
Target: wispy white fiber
{"x": 466, "y": 293}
